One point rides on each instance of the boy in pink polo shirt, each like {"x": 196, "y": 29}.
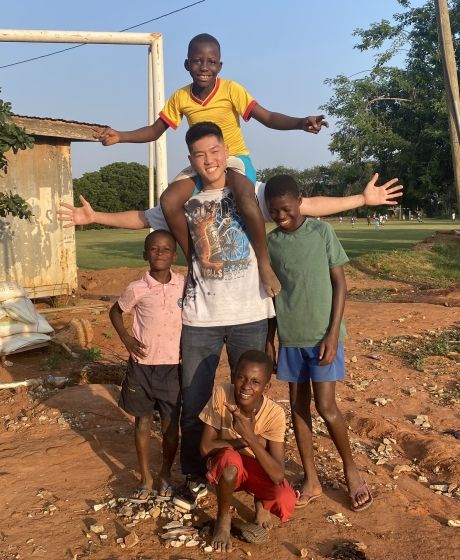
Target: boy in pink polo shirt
{"x": 152, "y": 379}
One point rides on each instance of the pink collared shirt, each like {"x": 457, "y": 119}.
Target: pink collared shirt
{"x": 157, "y": 316}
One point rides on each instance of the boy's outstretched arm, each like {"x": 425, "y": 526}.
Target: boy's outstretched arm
{"x": 279, "y": 121}
{"x": 84, "y": 215}
{"x": 109, "y": 136}
{"x": 373, "y": 195}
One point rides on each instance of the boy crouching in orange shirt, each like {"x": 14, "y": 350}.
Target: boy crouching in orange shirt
{"x": 243, "y": 440}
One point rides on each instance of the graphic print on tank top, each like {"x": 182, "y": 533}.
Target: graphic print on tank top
{"x": 221, "y": 244}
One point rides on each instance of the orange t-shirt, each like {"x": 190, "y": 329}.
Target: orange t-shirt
{"x": 270, "y": 421}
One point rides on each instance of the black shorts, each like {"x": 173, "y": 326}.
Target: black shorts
{"x": 146, "y": 388}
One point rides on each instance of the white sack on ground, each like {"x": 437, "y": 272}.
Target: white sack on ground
{"x": 20, "y": 309}
{"x": 10, "y": 344}
{"x": 9, "y": 326}
{"x": 11, "y": 290}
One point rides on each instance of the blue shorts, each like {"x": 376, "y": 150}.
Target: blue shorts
{"x": 298, "y": 365}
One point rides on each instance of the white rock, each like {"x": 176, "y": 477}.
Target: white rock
{"x": 192, "y": 542}
{"x": 97, "y": 507}
{"x": 422, "y": 420}
{"x": 131, "y": 540}
{"x": 172, "y": 525}
{"x": 97, "y": 529}
{"x": 208, "y": 549}
{"x": 154, "y": 512}
{"x": 402, "y": 468}
{"x": 439, "y": 487}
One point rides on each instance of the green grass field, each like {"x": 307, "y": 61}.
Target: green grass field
{"x": 114, "y": 248}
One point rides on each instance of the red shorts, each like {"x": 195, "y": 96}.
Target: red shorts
{"x": 278, "y": 499}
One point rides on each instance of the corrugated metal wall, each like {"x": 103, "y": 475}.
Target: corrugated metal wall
{"x": 40, "y": 255}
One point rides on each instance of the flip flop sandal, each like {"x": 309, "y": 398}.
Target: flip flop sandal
{"x": 360, "y": 490}
{"x": 141, "y": 491}
{"x": 304, "y": 498}
{"x": 250, "y": 532}
{"x": 166, "y": 490}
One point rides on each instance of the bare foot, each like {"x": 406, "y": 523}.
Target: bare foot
{"x": 269, "y": 280}
{"x": 221, "y": 541}
{"x": 263, "y": 517}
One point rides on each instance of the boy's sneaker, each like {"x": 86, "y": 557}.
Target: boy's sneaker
{"x": 190, "y": 492}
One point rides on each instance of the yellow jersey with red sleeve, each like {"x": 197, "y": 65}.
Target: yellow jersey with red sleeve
{"x": 224, "y": 106}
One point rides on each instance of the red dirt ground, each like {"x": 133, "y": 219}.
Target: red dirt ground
{"x": 72, "y": 448}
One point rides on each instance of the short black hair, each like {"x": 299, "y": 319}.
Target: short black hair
{"x": 258, "y": 357}
{"x": 157, "y": 232}
{"x": 202, "y": 38}
{"x": 281, "y": 185}
{"x": 200, "y": 130}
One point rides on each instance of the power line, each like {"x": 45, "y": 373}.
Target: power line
{"x": 121, "y": 31}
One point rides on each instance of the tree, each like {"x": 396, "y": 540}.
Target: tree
{"x": 12, "y": 137}
{"x": 398, "y": 116}
{"x": 115, "y": 187}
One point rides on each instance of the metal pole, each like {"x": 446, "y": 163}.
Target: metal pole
{"x": 161, "y": 166}
{"x": 97, "y": 37}
{"x": 449, "y": 65}
{"x": 157, "y": 153}
{"x": 151, "y": 117}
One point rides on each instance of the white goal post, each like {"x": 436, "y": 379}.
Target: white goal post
{"x": 156, "y": 95}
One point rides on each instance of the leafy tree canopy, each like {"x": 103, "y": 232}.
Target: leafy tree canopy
{"x": 115, "y": 187}
{"x": 397, "y": 116}
{"x": 12, "y": 137}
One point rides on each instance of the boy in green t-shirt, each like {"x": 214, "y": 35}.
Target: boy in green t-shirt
{"x": 308, "y": 260}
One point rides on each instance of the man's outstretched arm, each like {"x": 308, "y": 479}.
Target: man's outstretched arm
{"x": 373, "y": 195}
{"x": 84, "y": 215}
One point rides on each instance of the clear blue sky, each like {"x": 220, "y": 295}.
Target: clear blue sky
{"x": 281, "y": 51}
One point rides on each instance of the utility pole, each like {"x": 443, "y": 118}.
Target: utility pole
{"x": 449, "y": 65}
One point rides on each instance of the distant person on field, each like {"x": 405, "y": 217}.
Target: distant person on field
{"x": 152, "y": 379}
{"x": 310, "y": 330}
{"x": 243, "y": 442}
{"x": 223, "y": 102}
{"x": 453, "y": 216}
